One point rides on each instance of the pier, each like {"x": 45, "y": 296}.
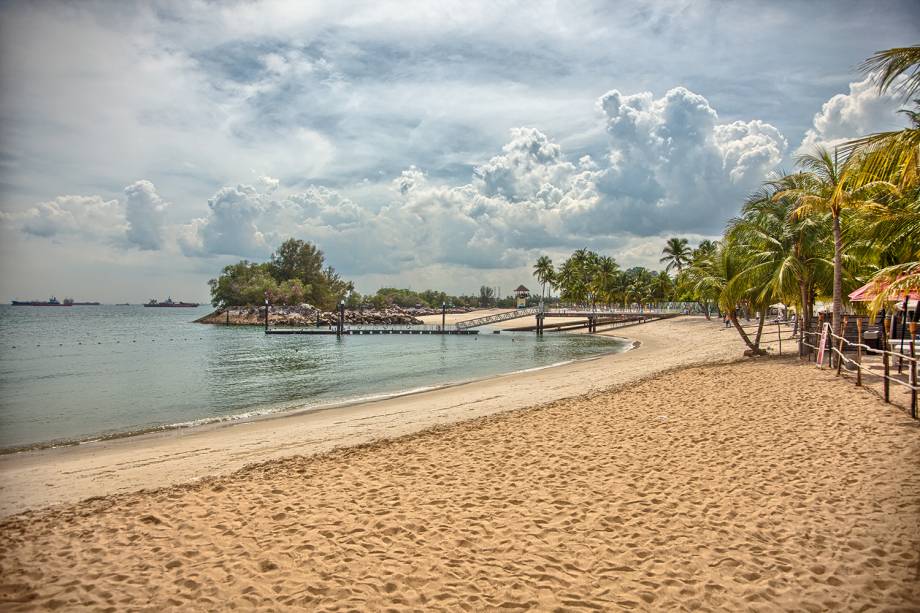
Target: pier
{"x": 593, "y": 319}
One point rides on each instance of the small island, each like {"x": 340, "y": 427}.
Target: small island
{"x": 303, "y": 290}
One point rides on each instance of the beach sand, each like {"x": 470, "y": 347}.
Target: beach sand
{"x": 758, "y": 485}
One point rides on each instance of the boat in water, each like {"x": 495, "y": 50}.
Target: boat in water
{"x": 169, "y": 303}
{"x": 87, "y": 303}
{"x": 50, "y": 302}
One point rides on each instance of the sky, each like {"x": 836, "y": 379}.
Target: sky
{"x": 443, "y": 145}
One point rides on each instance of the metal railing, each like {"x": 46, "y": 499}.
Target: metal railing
{"x": 495, "y": 318}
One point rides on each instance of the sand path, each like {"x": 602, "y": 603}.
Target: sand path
{"x": 761, "y": 485}
{"x": 41, "y": 478}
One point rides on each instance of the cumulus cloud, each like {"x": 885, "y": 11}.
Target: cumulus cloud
{"x": 86, "y": 216}
{"x": 137, "y": 221}
{"x": 673, "y": 166}
{"x": 669, "y": 166}
{"x": 269, "y": 184}
{"x": 529, "y": 162}
{"x": 242, "y": 221}
{"x": 145, "y": 213}
{"x": 857, "y": 113}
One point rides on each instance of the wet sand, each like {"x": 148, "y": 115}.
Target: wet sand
{"x": 758, "y": 485}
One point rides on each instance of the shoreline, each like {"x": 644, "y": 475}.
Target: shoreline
{"x": 254, "y": 414}
{"x": 762, "y": 483}
{"x": 41, "y": 478}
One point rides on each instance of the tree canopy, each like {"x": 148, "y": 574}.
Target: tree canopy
{"x": 295, "y": 273}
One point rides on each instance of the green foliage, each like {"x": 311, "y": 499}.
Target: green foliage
{"x": 676, "y": 254}
{"x": 590, "y": 278}
{"x": 407, "y": 298}
{"x": 294, "y": 275}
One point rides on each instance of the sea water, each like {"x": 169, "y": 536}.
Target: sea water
{"x": 69, "y": 374}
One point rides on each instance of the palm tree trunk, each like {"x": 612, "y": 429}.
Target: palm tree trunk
{"x": 803, "y": 316}
{"x": 838, "y": 277}
{"x": 704, "y": 308}
{"x": 755, "y": 350}
{"x": 763, "y": 317}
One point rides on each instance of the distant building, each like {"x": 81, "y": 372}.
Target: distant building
{"x": 521, "y": 293}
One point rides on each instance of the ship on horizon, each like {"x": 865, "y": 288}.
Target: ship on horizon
{"x": 53, "y": 301}
{"x": 170, "y": 303}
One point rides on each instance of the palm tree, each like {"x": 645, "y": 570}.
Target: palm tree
{"x": 544, "y": 272}
{"x": 676, "y": 253}
{"x": 662, "y": 287}
{"x": 827, "y": 185}
{"x": 604, "y": 278}
{"x": 893, "y": 227}
{"x": 785, "y": 256}
{"x": 890, "y": 64}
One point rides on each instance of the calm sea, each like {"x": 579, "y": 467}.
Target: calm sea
{"x": 76, "y": 373}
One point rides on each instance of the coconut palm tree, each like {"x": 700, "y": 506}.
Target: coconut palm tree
{"x": 890, "y": 64}
{"x": 828, "y": 185}
{"x": 676, "y": 253}
{"x": 604, "y": 278}
{"x": 662, "y": 287}
{"x": 785, "y": 256}
{"x": 893, "y": 227}
{"x": 544, "y": 272}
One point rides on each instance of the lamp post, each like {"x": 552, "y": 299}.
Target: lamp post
{"x": 443, "y": 316}
{"x": 341, "y": 326}
{"x": 266, "y": 312}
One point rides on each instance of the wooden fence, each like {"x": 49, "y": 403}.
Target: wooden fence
{"x": 827, "y": 346}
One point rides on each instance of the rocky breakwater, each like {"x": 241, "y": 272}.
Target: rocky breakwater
{"x": 308, "y": 315}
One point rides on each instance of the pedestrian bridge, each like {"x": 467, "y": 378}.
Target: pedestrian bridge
{"x": 592, "y": 315}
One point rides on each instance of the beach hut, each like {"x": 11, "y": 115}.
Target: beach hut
{"x": 521, "y": 293}
{"x": 871, "y": 290}
{"x": 905, "y": 307}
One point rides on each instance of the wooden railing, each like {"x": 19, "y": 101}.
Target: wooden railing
{"x": 824, "y": 342}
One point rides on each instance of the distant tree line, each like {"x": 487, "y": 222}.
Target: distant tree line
{"x": 407, "y": 298}
{"x": 592, "y": 279}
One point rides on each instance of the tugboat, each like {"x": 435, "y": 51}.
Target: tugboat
{"x": 50, "y": 302}
{"x": 169, "y": 303}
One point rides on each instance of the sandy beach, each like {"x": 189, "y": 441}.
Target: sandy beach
{"x": 754, "y": 485}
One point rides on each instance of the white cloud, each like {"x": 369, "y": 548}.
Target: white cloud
{"x": 857, "y": 113}
{"x": 138, "y": 221}
{"x": 88, "y": 217}
{"x": 145, "y": 214}
{"x": 673, "y": 167}
{"x": 529, "y": 161}
{"x": 269, "y": 184}
{"x": 669, "y": 167}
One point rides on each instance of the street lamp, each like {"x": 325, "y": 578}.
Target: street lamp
{"x": 443, "y": 316}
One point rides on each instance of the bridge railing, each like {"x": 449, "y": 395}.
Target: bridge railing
{"x": 495, "y": 318}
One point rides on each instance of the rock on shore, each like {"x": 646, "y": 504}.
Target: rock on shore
{"x": 308, "y": 315}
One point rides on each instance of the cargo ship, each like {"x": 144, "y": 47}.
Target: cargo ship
{"x": 169, "y": 303}
{"x": 50, "y": 302}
